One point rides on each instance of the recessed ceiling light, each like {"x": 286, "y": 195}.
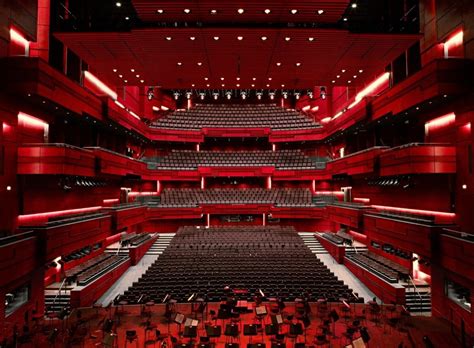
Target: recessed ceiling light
{"x": 320, "y": 12}
{"x": 240, "y": 38}
{"x": 268, "y": 85}
{"x": 213, "y": 11}
{"x": 237, "y": 85}
{"x": 338, "y": 76}
{"x": 169, "y": 38}
{"x": 132, "y": 70}
{"x": 287, "y": 38}
{"x": 278, "y": 63}
{"x": 294, "y": 11}
{"x": 240, "y": 11}
{"x": 252, "y": 85}
{"x": 269, "y": 79}
{"x": 199, "y": 63}
{"x": 125, "y": 81}
{"x": 193, "y": 85}
{"x": 192, "y": 38}
{"x": 206, "y": 78}
{"x": 254, "y": 78}
{"x": 160, "y": 11}
{"x": 237, "y": 78}
{"x": 354, "y": 5}
{"x": 137, "y": 76}
{"x": 333, "y": 81}
{"x": 120, "y": 76}
{"x": 127, "y": 18}
{"x": 298, "y": 64}
{"x": 267, "y": 11}
{"x": 349, "y": 81}
{"x": 283, "y": 85}
{"x": 310, "y": 38}
{"x": 345, "y": 19}
{"x": 115, "y": 70}
{"x": 118, "y": 4}
{"x": 361, "y": 71}
{"x": 216, "y": 38}
{"x": 263, "y": 38}
{"x": 355, "y": 76}
{"x": 207, "y": 85}
{"x": 343, "y": 70}
{"x": 222, "y": 79}
{"x": 187, "y": 10}
{"x": 142, "y": 81}
{"x": 179, "y": 63}
{"x": 223, "y": 85}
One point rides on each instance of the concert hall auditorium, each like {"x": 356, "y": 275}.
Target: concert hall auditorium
{"x": 236, "y": 173}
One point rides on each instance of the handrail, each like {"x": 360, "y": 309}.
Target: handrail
{"x": 417, "y": 292}
{"x": 59, "y": 292}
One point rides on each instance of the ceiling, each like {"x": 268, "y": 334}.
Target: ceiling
{"x": 247, "y": 63}
{"x": 254, "y": 11}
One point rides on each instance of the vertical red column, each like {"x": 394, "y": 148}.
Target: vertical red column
{"x": 41, "y": 47}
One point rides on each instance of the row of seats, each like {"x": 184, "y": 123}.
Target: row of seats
{"x": 209, "y": 261}
{"x": 191, "y": 160}
{"x": 236, "y": 116}
{"x": 92, "y": 273}
{"x": 78, "y": 254}
{"x": 425, "y": 219}
{"x": 386, "y": 269}
{"x": 73, "y": 273}
{"x": 334, "y": 238}
{"x": 295, "y": 197}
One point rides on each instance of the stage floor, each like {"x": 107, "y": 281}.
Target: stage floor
{"x": 83, "y": 328}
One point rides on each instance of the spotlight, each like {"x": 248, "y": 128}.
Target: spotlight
{"x": 259, "y": 95}
{"x": 215, "y": 95}
{"x": 160, "y": 11}
{"x": 267, "y": 11}
{"x": 285, "y": 94}
{"x": 263, "y": 38}
{"x": 213, "y": 12}
{"x": 243, "y": 95}
{"x": 188, "y": 95}
{"x": 202, "y": 95}
{"x": 150, "y": 93}
{"x": 240, "y": 11}
{"x": 9, "y": 188}
{"x": 272, "y": 95}
{"x": 297, "y": 95}
{"x": 354, "y": 5}
{"x": 294, "y": 11}
{"x": 322, "y": 92}
{"x": 192, "y": 38}
{"x": 310, "y": 94}
{"x": 176, "y": 95}
{"x": 320, "y": 12}
{"x": 187, "y": 10}
{"x": 169, "y": 38}
{"x": 287, "y": 38}
{"x": 216, "y": 38}
{"x": 118, "y": 4}
{"x": 228, "y": 94}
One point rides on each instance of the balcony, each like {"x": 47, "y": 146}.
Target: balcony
{"x": 55, "y": 159}
{"x": 113, "y": 163}
{"x": 362, "y": 162}
{"x": 348, "y": 214}
{"x": 126, "y": 215}
{"x": 456, "y": 251}
{"x": 418, "y": 158}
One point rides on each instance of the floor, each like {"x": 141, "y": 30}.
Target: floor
{"x": 84, "y": 328}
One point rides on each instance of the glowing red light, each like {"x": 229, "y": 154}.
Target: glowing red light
{"x": 100, "y": 85}
{"x": 415, "y": 211}
{"x": 31, "y": 121}
{"x": 17, "y": 37}
{"x": 43, "y": 217}
{"x": 440, "y": 122}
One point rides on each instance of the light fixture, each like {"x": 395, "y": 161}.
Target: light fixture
{"x": 254, "y": 78}
{"x": 349, "y": 81}
{"x": 228, "y": 94}
{"x": 237, "y": 78}
{"x": 118, "y": 4}
{"x": 355, "y": 76}
{"x": 320, "y": 12}
{"x": 243, "y": 95}
{"x": 240, "y": 11}
{"x": 361, "y": 71}
{"x": 333, "y": 81}
{"x": 263, "y": 38}
{"x": 278, "y": 63}
{"x": 202, "y": 95}
{"x": 176, "y": 95}
{"x": 115, "y": 70}
{"x": 120, "y": 75}
{"x": 213, "y": 12}
{"x": 208, "y": 85}
{"x": 267, "y": 11}
{"x": 287, "y": 38}
{"x": 297, "y": 96}
{"x": 137, "y": 76}
{"x": 259, "y": 95}
{"x": 294, "y": 11}
{"x": 206, "y": 78}
{"x": 237, "y": 85}
{"x": 187, "y": 10}
{"x": 160, "y": 11}
{"x": 179, "y": 63}
{"x": 345, "y": 19}
{"x": 311, "y": 39}
{"x": 222, "y": 79}
{"x": 269, "y": 79}
{"x": 215, "y": 95}
{"x": 354, "y": 5}
{"x": 240, "y": 38}
{"x": 322, "y": 92}
{"x": 192, "y": 38}
{"x": 132, "y": 70}
{"x": 199, "y": 63}
{"x": 282, "y": 85}
{"x": 127, "y": 18}
{"x": 343, "y": 70}
{"x": 193, "y": 85}
{"x": 272, "y": 95}
{"x": 338, "y": 76}
{"x": 150, "y": 93}
{"x": 9, "y": 188}
{"x": 268, "y": 85}
{"x": 298, "y": 64}
{"x": 223, "y": 85}
{"x": 169, "y": 38}
{"x": 216, "y": 38}
{"x": 188, "y": 95}
{"x": 253, "y": 85}
{"x": 464, "y": 187}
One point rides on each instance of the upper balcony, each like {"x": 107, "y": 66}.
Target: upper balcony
{"x": 362, "y": 162}
{"x": 456, "y": 250}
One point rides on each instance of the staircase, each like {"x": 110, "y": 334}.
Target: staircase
{"x": 161, "y": 244}
{"x": 312, "y": 243}
{"x": 55, "y": 300}
{"x": 418, "y": 303}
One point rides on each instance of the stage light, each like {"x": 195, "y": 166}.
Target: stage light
{"x": 287, "y": 38}
{"x": 228, "y": 94}
{"x": 294, "y": 11}
{"x": 322, "y": 92}
{"x": 310, "y": 39}
{"x": 243, "y": 95}
{"x": 9, "y": 188}
{"x": 320, "y": 12}
{"x": 213, "y": 12}
{"x": 216, "y": 38}
{"x": 118, "y": 4}
{"x": 267, "y": 11}
{"x": 169, "y": 38}
{"x": 354, "y": 5}
{"x": 187, "y": 10}
{"x": 240, "y": 11}
{"x": 192, "y": 38}
{"x": 263, "y": 38}
{"x": 240, "y": 38}
{"x": 150, "y": 93}
{"x": 202, "y": 95}
{"x": 160, "y": 11}
{"x": 215, "y": 95}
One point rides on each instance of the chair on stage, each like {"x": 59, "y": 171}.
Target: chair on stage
{"x": 231, "y": 332}
{"x": 131, "y": 337}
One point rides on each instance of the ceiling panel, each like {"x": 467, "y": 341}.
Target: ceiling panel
{"x": 254, "y": 61}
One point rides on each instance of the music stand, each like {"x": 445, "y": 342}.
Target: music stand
{"x": 250, "y": 330}
{"x": 231, "y": 330}
{"x": 179, "y": 319}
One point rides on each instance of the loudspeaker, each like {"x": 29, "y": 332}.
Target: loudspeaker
{"x": 334, "y": 316}
{"x": 364, "y": 334}
{"x": 108, "y": 325}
